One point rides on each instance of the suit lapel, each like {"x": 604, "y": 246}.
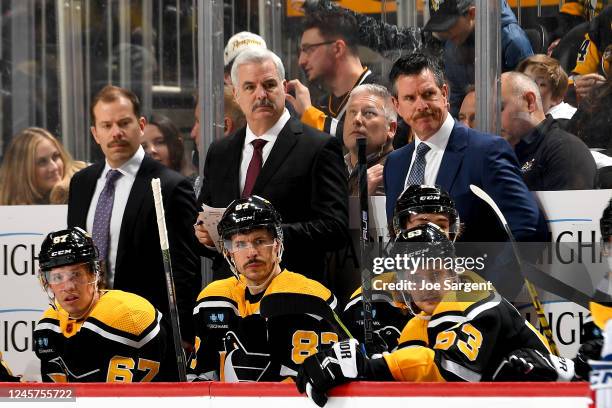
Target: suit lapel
{"x": 232, "y": 172}
{"x": 453, "y": 156}
{"x": 285, "y": 141}
{"x": 404, "y": 164}
{"x": 140, "y": 191}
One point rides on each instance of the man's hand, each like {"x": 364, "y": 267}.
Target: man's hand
{"x": 527, "y": 364}
{"x": 201, "y": 234}
{"x": 337, "y": 365}
{"x": 584, "y": 84}
{"x": 375, "y": 178}
{"x": 301, "y": 101}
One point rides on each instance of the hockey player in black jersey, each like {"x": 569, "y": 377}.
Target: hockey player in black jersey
{"x": 417, "y": 205}
{"x": 90, "y": 334}
{"x": 455, "y": 335}
{"x": 262, "y": 323}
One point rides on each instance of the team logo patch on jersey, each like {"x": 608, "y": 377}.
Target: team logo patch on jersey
{"x": 42, "y": 345}
{"x": 217, "y": 320}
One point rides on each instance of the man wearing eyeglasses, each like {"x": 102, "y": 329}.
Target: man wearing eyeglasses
{"x": 260, "y": 324}
{"x": 328, "y": 55}
{"x": 89, "y": 334}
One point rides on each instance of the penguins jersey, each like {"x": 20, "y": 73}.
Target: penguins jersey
{"x": 328, "y": 114}
{"x": 123, "y": 339}
{"x": 597, "y": 39}
{"x": 389, "y": 315}
{"x": 462, "y": 341}
{"x": 5, "y": 372}
{"x": 264, "y": 337}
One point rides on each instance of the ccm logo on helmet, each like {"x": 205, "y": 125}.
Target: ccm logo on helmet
{"x": 62, "y": 252}
{"x": 429, "y": 197}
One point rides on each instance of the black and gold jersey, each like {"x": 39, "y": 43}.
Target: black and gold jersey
{"x": 327, "y": 115}
{"x": 389, "y": 315}
{"x": 596, "y": 40}
{"x": 122, "y": 339}
{"x": 5, "y": 372}
{"x": 264, "y": 337}
{"x": 462, "y": 341}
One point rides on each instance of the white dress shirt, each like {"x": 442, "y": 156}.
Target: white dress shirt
{"x": 247, "y": 150}
{"x": 437, "y": 143}
{"x": 562, "y": 111}
{"x": 123, "y": 186}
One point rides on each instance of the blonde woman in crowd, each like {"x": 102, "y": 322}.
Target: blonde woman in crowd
{"x": 33, "y": 165}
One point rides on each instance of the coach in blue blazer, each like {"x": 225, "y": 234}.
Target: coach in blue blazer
{"x": 458, "y": 157}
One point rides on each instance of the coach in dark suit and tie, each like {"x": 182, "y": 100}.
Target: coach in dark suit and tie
{"x": 297, "y": 168}
{"x": 453, "y": 156}
{"x": 113, "y": 200}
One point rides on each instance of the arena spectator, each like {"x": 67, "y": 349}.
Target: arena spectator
{"x": 453, "y": 21}
{"x": 33, "y": 164}
{"x": 239, "y": 42}
{"x": 550, "y": 158}
{"x": 266, "y": 318}
{"x": 552, "y": 82}
{"x": 591, "y": 66}
{"x": 369, "y": 114}
{"x": 328, "y": 55}
{"x": 59, "y": 192}
{"x": 593, "y": 121}
{"x": 113, "y": 200}
{"x": 297, "y": 168}
{"x": 467, "y": 112}
{"x": 162, "y": 141}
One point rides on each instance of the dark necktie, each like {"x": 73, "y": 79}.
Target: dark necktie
{"x": 254, "y": 167}
{"x": 104, "y": 209}
{"x": 417, "y": 172}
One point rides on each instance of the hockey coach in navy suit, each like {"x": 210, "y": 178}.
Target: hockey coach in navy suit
{"x": 452, "y": 156}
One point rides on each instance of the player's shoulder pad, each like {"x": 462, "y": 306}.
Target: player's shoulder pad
{"x": 290, "y": 282}
{"x": 124, "y": 312}
{"x": 414, "y": 333}
{"x": 220, "y": 288}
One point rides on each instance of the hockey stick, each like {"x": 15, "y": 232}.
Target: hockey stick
{"x": 174, "y": 317}
{"x": 533, "y": 293}
{"x": 366, "y": 283}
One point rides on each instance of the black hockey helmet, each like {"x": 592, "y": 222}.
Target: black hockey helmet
{"x": 67, "y": 247}
{"x": 421, "y": 199}
{"x": 246, "y": 214}
{"x": 425, "y": 240}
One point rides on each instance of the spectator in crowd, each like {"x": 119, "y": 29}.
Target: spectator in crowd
{"x": 162, "y": 141}
{"x": 5, "y": 372}
{"x": 267, "y": 311}
{"x": 454, "y": 335}
{"x": 467, "y": 112}
{"x": 591, "y": 66}
{"x": 453, "y": 21}
{"x": 552, "y": 82}
{"x": 33, "y": 164}
{"x": 298, "y": 169}
{"x": 550, "y": 158}
{"x": 453, "y": 157}
{"x": 239, "y": 42}
{"x": 89, "y": 334}
{"x": 59, "y": 192}
{"x": 328, "y": 55}
{"x": 113, "y": 200}
{"x": 593, "y": 121}
{"x": 370, "y": 114}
